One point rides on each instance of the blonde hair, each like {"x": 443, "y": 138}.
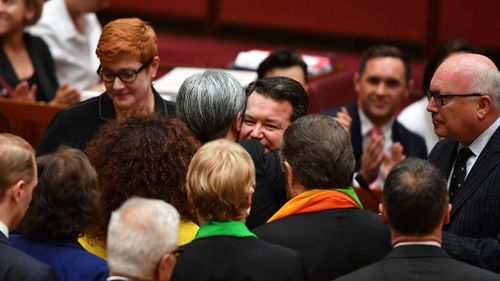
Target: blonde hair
{"x": 219, "y": 180}
{"x": 38, "y": 6}
{"x": 130, "y": 36}
{"x": 17, "y": 161}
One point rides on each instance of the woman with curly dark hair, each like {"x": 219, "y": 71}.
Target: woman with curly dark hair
{"x": 63, "y": 207}
{"x": 145, "y": 156}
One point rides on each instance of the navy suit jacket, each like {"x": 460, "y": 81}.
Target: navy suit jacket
{"x": 413, "y": 144}
{"x": 16, "y": 265}
{"x": 473, "y": 234}
{"x": 419, "y": 262}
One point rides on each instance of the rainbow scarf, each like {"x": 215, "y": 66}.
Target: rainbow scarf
{"x": 315, "y": 200}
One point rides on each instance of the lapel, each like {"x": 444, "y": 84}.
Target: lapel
{"x": 485, "y": 163}
{"x": 444, "y": 158}
{"x": 4, "y": 239}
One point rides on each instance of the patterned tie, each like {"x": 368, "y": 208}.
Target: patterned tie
{"x": 459, "y": 172}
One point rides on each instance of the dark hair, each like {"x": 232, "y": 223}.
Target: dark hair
{"x": 65, "y": 200}
{"x": 319, "y": 150}
{"x": 281, "y": 58}
{"x": 144, "y": 156}
{"x": 450, "y": 47}
{"x": 378, "y": 51}
{"x": 415, "y": 197}
{"x": 282, "y": 89}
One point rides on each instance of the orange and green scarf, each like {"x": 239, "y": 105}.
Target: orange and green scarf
{"x": 315, "y": 200}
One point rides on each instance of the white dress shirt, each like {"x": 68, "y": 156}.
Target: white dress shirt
{"x": 73, "y": 52}
{"x": 4, "y": 229}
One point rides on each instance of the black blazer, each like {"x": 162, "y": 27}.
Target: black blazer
{"x": 76, "y": 125}
{"x": 475, "y": 210}
{"x": 419, "y": 262}
{"x": 240, "y": 259}
{"x": 16, "y": 265}
{"x": 413, "y": 144}
{"x": 270, "y": 188}
{"x": 42, "y": 63}
{"x": 332, "y": 242}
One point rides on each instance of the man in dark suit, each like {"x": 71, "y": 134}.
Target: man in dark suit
{"x": 213, "y": 104}
{"x": 324, "y": 220}
{"x": 415, "y": 203}
{"x": 464, "y": 100}
{"x": 382, "y": 82}
{"x": 18, "y": 178}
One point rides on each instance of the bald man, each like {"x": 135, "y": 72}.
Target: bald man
{"x": 464, "y": 100}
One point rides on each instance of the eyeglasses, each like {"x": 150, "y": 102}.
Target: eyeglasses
{"x": 127, "y": 76}
{"x": 439, "y": 98}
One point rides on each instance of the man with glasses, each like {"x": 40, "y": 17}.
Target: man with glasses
{"x": 464, "y": 100}
{"x": 129, "y": 61}
{"x": 142, "y": 240}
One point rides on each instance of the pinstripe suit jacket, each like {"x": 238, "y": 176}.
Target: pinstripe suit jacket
{"x": 473, "y": 234}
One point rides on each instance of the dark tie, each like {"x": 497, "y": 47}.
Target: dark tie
{"x": 459, "y": 172}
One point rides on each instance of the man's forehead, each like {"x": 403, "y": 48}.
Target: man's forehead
{"x": 456, "y": 73}
{"x": 385, "y": 66}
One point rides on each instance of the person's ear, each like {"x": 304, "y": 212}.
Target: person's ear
{"x": 17, "y": 190}
{"x": 236, "y": 123}
{"x": 249, "y": 200}
{"x": 357, "y": 82}
{"x": 446, "y": 215}
{"x": 383, "y": 213}
{"x": 409, "y": 87}
{"x": 29, "y": 13}
{"x": 155, "y": 65}
{"x": 166, "y": 267}
{"x": 483, "y": 106}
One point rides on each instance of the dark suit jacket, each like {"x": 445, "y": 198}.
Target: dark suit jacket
{"x": 475, "y": 210}
{"x": 413, "y": 144}
{"x": 270, "y": 188}
{"x": 332, "y": 242}
{"x": 240, "y": 259}
{"x": 43, "y": 64}
{"x": 76, "y": 125}
{"x": 16, "y": 265}
{"x": 419, "y": 262}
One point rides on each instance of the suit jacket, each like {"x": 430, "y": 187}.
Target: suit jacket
{"x": 270, "y": 188}
{"x": 474, "y": 230}
{"x": 413, "y": 144}
{"x": 331, "y": 242}
{"x": 43, "y": 64}
{"x": 16, "y": 265}
{"x": 69, "y": 260}
{"x": 419, "y": 262}
{"x": 240, "y": 259}
{"x": 76, "y": 125}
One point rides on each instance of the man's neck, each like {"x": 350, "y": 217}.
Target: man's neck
{"x": 434, "y": 238}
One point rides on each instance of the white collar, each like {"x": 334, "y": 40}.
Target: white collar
{"x": 480, "y": 142}
{"x": 428, "y": 243}
{"x": 4, "y": 229}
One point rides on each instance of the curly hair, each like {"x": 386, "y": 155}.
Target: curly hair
{"x": 65, "y": 200}
{"x": 144, "y": 156}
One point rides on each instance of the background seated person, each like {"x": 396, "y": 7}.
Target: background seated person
{"x": 63, "y": 207}
{"x": 220, "y": 184}
{"x": 129, "y": 61}
{"x": 26, "y": 66}
{"x": 145, "y": 156}
{"x": 284, "y": 62}
{"x": 71, "y": 30}
{"x": 142, "y": 240}
{"x": 382, "y": 82}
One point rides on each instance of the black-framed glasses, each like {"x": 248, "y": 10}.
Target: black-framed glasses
{"x": 440, "y": 98}
{"x": 127, "y": 76}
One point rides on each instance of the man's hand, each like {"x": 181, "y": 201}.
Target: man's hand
{"x": 372, "y": 158}
{"x": 66, "y": 95}
{"x": 344, "y": 119}
{"x": 396, "y": 157}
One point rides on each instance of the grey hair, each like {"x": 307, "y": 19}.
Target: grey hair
{"x": 140, "y": 232}
{"x": 209, "y": 102}
{"x": 487, "y": 81}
